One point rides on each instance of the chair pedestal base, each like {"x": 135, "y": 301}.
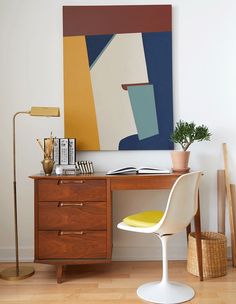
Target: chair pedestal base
{"x": 165, "y": 292}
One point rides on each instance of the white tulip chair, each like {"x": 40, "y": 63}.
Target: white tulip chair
{"x": 181, "y": 207}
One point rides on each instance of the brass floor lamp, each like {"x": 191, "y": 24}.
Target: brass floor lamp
{"x": 22, "y": 272}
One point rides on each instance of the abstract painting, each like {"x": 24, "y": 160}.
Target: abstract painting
{"x": 118, "y": 77}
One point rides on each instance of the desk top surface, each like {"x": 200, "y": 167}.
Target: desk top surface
{"x": 103, "y": 175}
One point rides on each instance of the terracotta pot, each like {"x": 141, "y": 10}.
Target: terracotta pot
{"x": 180, "y": 161}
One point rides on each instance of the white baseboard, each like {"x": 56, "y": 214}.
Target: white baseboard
{"x": 119, "y": 254}
{"x": 147, "y": 253}
{"x": 152, "y": 253}
{"x": 9, "y": 255}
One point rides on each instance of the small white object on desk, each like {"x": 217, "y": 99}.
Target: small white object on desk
{"x": 58, "y": 170}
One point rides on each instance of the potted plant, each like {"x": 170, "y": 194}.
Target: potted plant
{"x": 185, "y": 134}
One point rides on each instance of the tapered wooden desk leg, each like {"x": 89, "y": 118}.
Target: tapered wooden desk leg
{"x": 59, "y": 271}
{"x": 197, "y": 223}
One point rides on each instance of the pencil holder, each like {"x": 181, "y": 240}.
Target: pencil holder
{"x": 48, "y": 164}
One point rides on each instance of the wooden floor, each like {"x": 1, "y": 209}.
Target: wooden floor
{"x": 110, "y": 284}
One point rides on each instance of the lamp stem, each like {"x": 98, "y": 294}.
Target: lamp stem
{"x": 22, "y": 272}
{"x": 14, "y": 187}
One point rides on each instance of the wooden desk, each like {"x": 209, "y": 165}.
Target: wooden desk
{"x": 73, "y": 223}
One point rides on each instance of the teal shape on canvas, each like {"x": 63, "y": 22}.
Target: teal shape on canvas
{"x": 144, "y": 110}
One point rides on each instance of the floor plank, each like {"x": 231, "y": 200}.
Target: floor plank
{"x": 110, "y": 284}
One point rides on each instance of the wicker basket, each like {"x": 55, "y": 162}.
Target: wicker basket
{"x": 214, "y": 255}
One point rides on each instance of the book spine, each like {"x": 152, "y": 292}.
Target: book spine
{"x": 64, "y": 151}
{"x": 80, "y": 167}
{"x": 56, "y": 151}
{"x": 83, "y": 166}
{"x": 72, "y": 151}
{"x": 91, "y": 167}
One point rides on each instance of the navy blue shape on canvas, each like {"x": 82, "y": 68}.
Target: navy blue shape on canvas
{"x": 158, "y": 55}
{"x": 95, "y": 46}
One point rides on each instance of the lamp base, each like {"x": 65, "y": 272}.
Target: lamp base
{"x": 11, "y": 274}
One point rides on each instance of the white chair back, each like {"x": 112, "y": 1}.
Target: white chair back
{"x": 182, "y": 204}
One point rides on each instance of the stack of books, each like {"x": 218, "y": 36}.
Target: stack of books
{"x": 64, "y": 152}
{"x": 85, "y": 167}
{"x": 64, "y": 155}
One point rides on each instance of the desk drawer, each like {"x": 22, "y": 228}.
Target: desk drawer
{"x": 72, "y": 190}
{"x": 72, "y": 216}
{"x": 72, "y": 244}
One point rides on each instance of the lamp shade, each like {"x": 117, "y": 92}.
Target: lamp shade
{"x": 45, "y": 111}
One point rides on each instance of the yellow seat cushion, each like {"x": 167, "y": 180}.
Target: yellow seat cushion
{"x": 144, "y": 219}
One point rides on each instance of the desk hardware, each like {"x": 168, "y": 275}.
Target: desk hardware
{"x": 60, "y": 181}
{"x": 70, "y": 204}
{"x": 61, "y": 233}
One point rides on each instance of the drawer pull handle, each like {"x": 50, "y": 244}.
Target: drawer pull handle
{"x": 70, "y": 204}
{"x": 70, "y": 181}
{"x": 61, "y": 233}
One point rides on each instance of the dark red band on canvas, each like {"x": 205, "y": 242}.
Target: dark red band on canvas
{"x": 95, "y": 20}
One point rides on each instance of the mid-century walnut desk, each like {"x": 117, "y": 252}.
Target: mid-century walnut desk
{"x": 73, "y": 216}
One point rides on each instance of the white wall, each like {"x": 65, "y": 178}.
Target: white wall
{"x": 31, "y": 73}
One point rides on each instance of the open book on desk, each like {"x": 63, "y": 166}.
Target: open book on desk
{"x": 140, "y": 170}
